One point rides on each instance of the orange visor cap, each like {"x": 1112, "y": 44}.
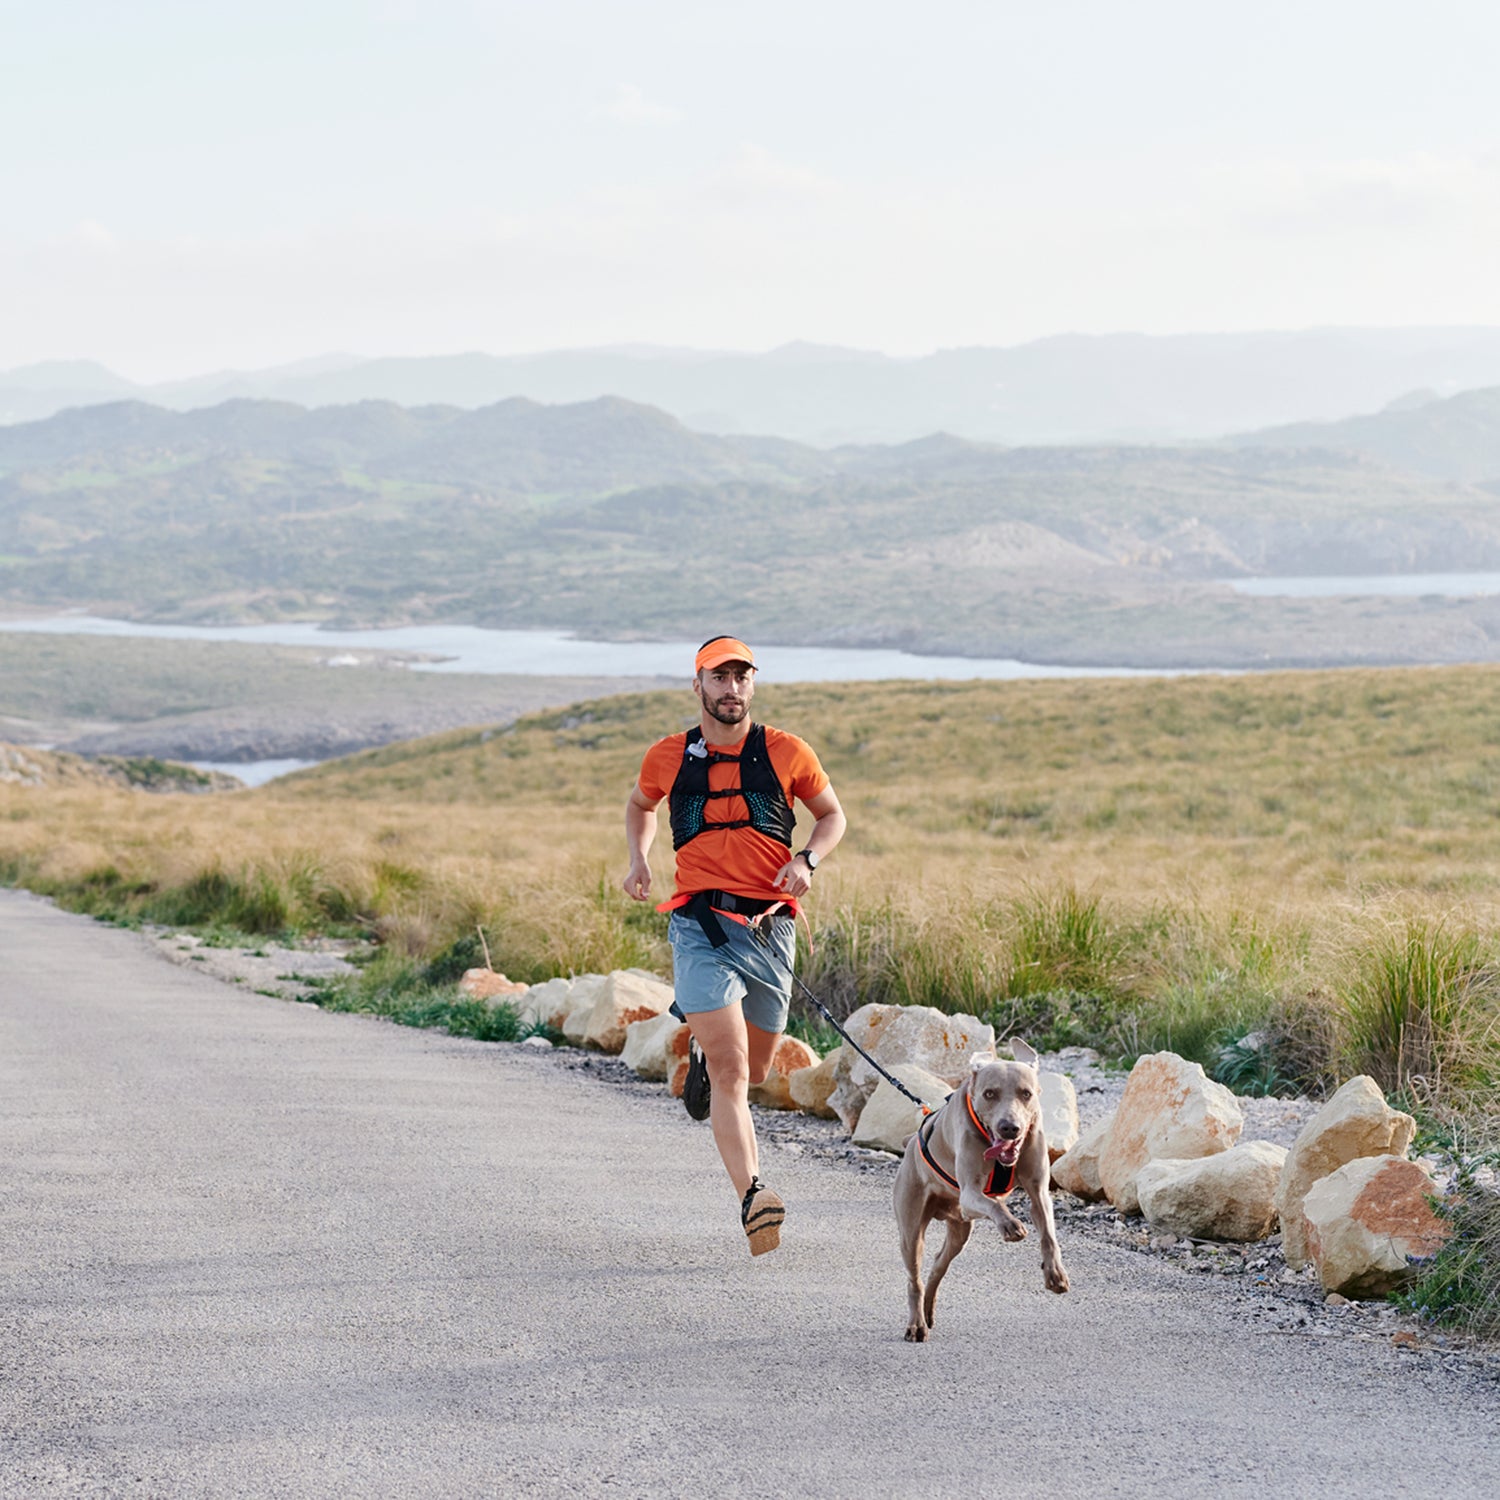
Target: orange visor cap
{"x": 716, "y": 652}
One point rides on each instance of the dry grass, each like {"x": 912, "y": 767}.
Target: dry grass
{"x": 1137, "y": 863}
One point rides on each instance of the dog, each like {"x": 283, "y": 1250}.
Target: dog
{"x": 961, "y": 1165}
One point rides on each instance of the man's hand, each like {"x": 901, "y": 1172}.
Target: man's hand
{"x": 640, "y": 830}
{"x": 637, "y": 881}
{"x": 794, "y": 878}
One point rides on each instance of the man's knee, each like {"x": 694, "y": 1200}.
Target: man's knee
{"x": 729, "y": 1068}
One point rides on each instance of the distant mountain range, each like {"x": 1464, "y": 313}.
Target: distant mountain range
{"x": 611, "y": 518}
{"x": 525, "y": 449}
{"x": 1120, "y": 388}
{"x": 1454, "y": 439}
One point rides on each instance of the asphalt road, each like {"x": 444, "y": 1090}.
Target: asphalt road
{"x": 249, "y": 1248}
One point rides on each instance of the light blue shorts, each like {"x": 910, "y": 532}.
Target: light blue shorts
{"x": 706, "y": 978}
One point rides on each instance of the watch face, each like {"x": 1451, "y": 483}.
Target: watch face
{"x": 811, "y": 858}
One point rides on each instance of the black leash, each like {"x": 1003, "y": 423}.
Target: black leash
{"x": 765, "y": 942}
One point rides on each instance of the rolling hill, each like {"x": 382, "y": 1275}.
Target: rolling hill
{"x": 1457, "y": 438}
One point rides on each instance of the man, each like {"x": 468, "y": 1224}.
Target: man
{"x": 730, "y": 786}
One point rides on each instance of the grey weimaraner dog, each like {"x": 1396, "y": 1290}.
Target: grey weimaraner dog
{"x": 963, "y": 1163}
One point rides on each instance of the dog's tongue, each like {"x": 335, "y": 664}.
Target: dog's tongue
{"x": 1004, "y": 1152}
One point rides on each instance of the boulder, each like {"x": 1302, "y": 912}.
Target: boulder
{"x": 627, "y": 995}
{"x": 677, "y": 1058}
{"x": 1355, "y": 1122}
{"x": 1365, "y": 1222}
{"x": 649, "y": 1043}
{"x": 1228, "y": 1196}
{"x": 1059, "y": 1113}
{"x": 810, "y": 1087}
{"x": 585, "y": 990}
{"x": 911, "y": 1035}
{"x": 1170, "y": 1107}
{"x": 888, "y": 1117}
{"x": 791, "y": 1056}
{"x": 1076, "y": 1171}
{"x": 547, "y": 1004}
{"x": 484, "y": 984}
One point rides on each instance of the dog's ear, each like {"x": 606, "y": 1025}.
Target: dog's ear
{"x": 978, "y": 1060}
{"x": 1022, "y": 1053}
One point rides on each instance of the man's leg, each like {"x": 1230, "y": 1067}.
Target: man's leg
{"x": 725, "y": 1040}
{"x": 762, "y": 1048}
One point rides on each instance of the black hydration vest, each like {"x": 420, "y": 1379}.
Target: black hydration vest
{"x": 765, "y": 797}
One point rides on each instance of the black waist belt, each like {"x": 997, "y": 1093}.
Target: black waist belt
{"x": 705, "y": 906}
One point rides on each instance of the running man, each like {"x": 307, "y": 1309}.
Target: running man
{"x": 730, "y": 786}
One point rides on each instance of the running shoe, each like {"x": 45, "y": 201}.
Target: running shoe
{"x": 695, "y": 1091}
{"x": 761, "y": 1213}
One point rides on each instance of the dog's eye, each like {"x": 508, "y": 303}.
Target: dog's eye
{"x": 992, "y": 1094}
{"x": 1024, "y": 1095}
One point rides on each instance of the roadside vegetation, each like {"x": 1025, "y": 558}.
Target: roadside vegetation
{"x": 1289, "y": 878}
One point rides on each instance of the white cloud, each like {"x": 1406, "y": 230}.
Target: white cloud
{"x": 629, "y": 105}
{"x": 1412, "y": 191}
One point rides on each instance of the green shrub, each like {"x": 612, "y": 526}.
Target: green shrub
{"x": 454, "y": 961}
{"x": 1460, "y": 1285}
{"x": 1420, "y": 1011}
{"x": 1062, "y": 943}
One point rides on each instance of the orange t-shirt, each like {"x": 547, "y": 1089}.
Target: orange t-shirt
{"x": 739, "y": 860}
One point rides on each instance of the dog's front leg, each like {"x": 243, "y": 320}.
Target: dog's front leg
{"x": 912, "y": 1215}
{"x": 975, "y": 1205}
{"x": 1041, "y": 1215}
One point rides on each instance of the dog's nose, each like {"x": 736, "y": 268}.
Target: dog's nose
{"x": 1009, "y": 1131}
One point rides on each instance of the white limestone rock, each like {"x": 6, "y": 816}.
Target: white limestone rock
{"x": 1170, "y": 1107}
{"x": 888, "y": 1117}
{"x": 912, "y": 1035}
{"x": 627, "y": 995}
{"x": 649, "y": 1046}
{"x": 546, "y": 1004}
{"x": 1367, "y": 1221}
{"x": 790, "y": 1057}
{"x": 1076, "y": 1171}
{"x": 585, "y": 990}
{"x": 1356, "y": 1122}
{"x": 1059, "y": 1114}
{"x": 811, "y": 1087}
{"x": 1228, "y": 1196}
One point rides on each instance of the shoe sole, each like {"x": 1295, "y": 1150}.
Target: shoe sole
{"x": 763, "y": 1222}
{"x": 696, "y": 1097}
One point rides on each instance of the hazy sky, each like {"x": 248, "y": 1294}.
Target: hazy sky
{"x": 192, "y": 184}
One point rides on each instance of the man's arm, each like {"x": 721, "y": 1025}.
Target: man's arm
{"x": 795, "y": 878}
{"x": 640, "y": 831}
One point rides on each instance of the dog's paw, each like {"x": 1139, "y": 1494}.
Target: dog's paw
{"x": 916, "y": 1333}
{"x": 1056, "y": 1278}
{"x": 1013, "y": 1229}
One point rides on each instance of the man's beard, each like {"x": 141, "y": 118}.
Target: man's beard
{"x": 731, "y": 715}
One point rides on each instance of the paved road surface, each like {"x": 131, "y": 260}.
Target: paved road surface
{"x": 248, "y": 1248}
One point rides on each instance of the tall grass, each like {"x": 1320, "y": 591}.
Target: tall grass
{"x": 1421, "y": 1010}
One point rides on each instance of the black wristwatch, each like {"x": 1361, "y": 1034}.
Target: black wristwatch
{"x": 809, "y": 856}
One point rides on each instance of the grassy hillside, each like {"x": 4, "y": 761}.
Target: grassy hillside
{"x": 1182, "y": 863}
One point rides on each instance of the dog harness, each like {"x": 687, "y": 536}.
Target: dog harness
{"x": 995, "y": 1188}
{"x": 766, "y": 801}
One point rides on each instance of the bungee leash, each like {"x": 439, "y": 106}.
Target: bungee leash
{"x": 761, "y": 937}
